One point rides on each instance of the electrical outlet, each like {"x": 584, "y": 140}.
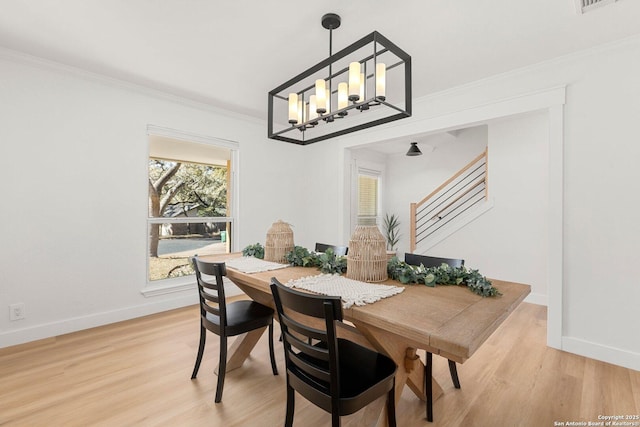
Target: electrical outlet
{"x": 16, "y": 311}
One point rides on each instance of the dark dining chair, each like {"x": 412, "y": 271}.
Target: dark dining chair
{"x": 430, "y": 261}
{"x": 334, "y": 374}
{"x": 226, "y": 319}
{"x": 338, "y": 250}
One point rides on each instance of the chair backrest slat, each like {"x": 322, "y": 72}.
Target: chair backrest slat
{"x": 338, "y": 250}
{"x": 315, "y": 373}
{"x": 431, "y": 261}
{"x": 313, "y": 351}
{"x": 307, "y": 331}
{"x": 209, "y": 277}
{"x": 308, "y": 304}
{"x": 210, "y": 297}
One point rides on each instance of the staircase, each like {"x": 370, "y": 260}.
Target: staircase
{"x": 450, "y": 203}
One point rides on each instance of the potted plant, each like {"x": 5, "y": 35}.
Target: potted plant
{"x": 391, "y": 233}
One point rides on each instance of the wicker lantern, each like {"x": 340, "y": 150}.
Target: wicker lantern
{"x": 367, "y": 258}
{"x": 279, "y": 242}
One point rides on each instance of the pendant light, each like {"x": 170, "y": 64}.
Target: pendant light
{"x": 414, "y": 150}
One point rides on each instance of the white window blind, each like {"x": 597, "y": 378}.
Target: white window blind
{"x": 368, "y": 190}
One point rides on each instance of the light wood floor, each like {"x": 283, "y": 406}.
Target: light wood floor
{"x": 136, "y": 373}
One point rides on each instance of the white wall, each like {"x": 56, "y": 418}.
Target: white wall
{"x": 315, "y": 189}
{"x": 74, "y": 189}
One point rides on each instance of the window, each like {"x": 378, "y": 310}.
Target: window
{"x": 366, "y": 190}
{"x": 367, "y": 184}
{"x": 190, "y": 204}
{"x": 368, "y": 198}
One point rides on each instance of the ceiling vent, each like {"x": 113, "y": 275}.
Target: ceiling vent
{"x": 583, "y": 6}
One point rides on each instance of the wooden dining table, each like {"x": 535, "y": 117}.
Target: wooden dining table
{"x": 450, "y": 321}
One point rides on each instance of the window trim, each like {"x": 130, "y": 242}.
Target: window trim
{"x": 179, "y": 284}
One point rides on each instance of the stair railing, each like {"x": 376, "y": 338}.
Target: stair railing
{"x": 465, "y": 189}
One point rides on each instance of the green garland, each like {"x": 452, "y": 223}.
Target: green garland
{"x": 256, "y": 251}
{"x": 327, "y": 262}
{"x": 443, "y": 275}
{"x": 398, "y": 270}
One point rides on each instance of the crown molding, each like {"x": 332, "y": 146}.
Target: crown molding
{"x": 50, "y": 65}
{"x": 558, "y": 60}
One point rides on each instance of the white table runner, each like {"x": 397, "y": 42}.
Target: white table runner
{"x": 249, "y": 264}
{"x": 350, "y": 291}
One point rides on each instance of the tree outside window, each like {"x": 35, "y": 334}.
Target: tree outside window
{"x": 187, "y": 215}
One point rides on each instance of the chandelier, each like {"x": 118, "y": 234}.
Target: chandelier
{"x": 365, "y": 84}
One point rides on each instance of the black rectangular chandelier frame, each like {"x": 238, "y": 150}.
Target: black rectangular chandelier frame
{"x": 374, "y": 38}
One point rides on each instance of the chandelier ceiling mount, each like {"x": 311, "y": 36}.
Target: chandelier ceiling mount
{"x": 331, "y": 21}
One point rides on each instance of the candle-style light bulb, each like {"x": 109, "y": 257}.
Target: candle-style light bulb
{"x": 300, "y": 112}
{"x": 381, "y": 81}
{"x": 363, "y": 85}
{"x": 293, "y": 108}
{"x": 306, "y": 113}
{"x": 343, "y": 95}
{"x": 328, "y": 98}
{"x": 321, "y": 96}
{"x": 313, "y": 111}
{"x": 354, "y": 81}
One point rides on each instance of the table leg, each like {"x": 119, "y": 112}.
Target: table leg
{"x": 243, "y": 344}
{"x": 241, "y": 348}
{"x": 415, "y": 380}
{"x": 410, "y": 367}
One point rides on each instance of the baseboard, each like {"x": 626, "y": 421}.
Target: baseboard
{"x": 38, "y": 332}
{"x": 538, "y": 299}
{"x": 188, "y": 296}
{"x": 613, "y": 355}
